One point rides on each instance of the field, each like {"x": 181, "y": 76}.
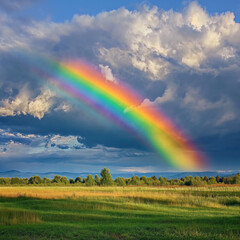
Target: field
{"x": 58, "y": 212}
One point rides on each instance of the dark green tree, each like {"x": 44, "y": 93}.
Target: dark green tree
{"x": 15, "y": 180}
{"x": 90, "y": 180}
{"x": 218, "y": 179}
{"x": 212, "y": 180}
{"x": 78, "y": 180}
{"x": 71, "y": 181}
{"x": 56, "y": 179}
{"x": 97, "y": 180}
{"x": 64, "y": 180}
{"x": 35, "y": 180}
{"x": 106, "y": 178}
{"x": 135, "y": 180}
{"x": 46, "y": 180}
{"x": 120, "y": 181}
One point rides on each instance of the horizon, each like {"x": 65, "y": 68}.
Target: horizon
{"x": 167, "y": 99}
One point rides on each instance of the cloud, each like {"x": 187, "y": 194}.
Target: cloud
{"x": 186, "y": 63}
{"x": 23, "y": 104}
{"x": 107, "y": 73}
{"x": 15, "y": 5}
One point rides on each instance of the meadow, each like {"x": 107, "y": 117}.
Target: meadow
{"x": 80, "y": 212}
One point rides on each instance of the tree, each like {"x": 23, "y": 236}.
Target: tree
{"x": 236, "y": 179}
{"x": 197, "y": 181}
{"x": 135, "y": 180}
{"x": 97, "y": 180}
{"x": 78, "y": 180}
{"x": 120, "y": 181}
{"x": 64, "y": 180}
{"x": 163, "y": 181}
{"x": 218, "y": 179}
{"x": 71, "y": 181}
{"x": 15, "y": 180}
{"x": 143, "y": 179}
{"x": 205, "y": 178}
{"x": 35, "y": 180}
{"x": 212, "y": 180}
{"x": 56, "y": 179}
{"x": 90, "y": 180}
{"x": 46, "y": 180}
{"x": 25, "y": 181}
{"x": 106, "y": 179}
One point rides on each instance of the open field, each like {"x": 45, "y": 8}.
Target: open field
{"x": 31, "y": 212}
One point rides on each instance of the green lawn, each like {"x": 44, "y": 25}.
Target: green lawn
{"x": 184, "y": 213}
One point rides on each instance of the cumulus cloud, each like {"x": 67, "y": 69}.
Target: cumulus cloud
{"x": 23, "y": 104}
{"x": 150, "y": 40}
{"x": 195, "y": 56}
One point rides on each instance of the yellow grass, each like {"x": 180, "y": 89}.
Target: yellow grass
{"x": 178, "y": 196}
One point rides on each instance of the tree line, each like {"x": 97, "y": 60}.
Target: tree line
{"x": 107, "y": 180}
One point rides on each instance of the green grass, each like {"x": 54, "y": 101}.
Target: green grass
{"x": 125, "y": 213}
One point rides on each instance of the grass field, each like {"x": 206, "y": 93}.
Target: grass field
{"x": 120, "y": 212}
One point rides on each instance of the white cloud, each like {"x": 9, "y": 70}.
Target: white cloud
{"x": 23, "y": 104}
{"x": 14, "y": 143}
{"x": 150, "y": 40}
{"x": 107, "y": 73}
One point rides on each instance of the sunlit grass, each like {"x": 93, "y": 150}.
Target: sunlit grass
{"x": 109, "y": 213}
{"x": 217, "y": 197}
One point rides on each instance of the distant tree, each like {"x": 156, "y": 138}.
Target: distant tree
{"x": 120, "y": 181}
{"x": 90, "y": 180}
{"x": 46, "y": 180}
{"x": 97, "y": 180}
{"x": 154, "y": 178}
{"x": 223, "y": 179}
{"x": 218, "y": 179}
{"x": 7, "y": 180}
{"x": 187, "y": 181}
{"x": 143, "y": 179}
{"x": 175, "y": 182}
{"x": 163, "y": 181}
{"x": 35, "y": 180}
{"x": 135, "y": 180}
{"x": 15, "y": 180}
{"x": 84, "y": 180}
{"x": 197, "y": 181}
{"x": 236, "y": 179}
{"x": 78, "y": 180}
{"x": 71, "y": 181}
{"x": 56, "y": 179}
{"x": 2, "y": 181}
{"x": 106, "y": 178}
{"x": 205, "y": 178}
{"x": 64, "y": 180}
{"x": 212, "y": 180}
{"x": 149, "y": 181}
{"x": 25, "y": 181}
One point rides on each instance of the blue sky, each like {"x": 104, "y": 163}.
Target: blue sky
{"x": 183, "y": 56}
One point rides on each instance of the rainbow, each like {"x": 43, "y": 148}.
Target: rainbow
{"x": 124, "y": 106}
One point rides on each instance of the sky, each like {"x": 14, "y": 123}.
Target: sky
{"x": 181, "y": 56}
